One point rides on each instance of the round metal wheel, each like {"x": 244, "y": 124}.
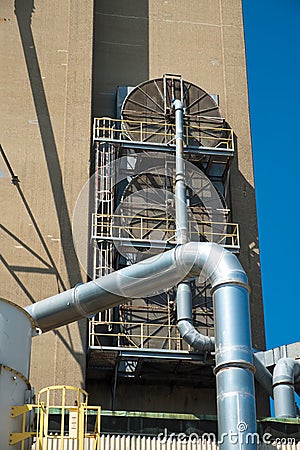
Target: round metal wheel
{"x": 149, "y": 116}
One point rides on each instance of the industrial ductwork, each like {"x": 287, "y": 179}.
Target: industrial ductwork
{"x": 285, "y": 372}
{"x": 234, "y": 368}
{"x": 184, "y": 295}
{"x": 234, "y": 361}
{"x": 263, "y": 375}
{"x": 185, "y": 322}
{"x": 185, "y": 325}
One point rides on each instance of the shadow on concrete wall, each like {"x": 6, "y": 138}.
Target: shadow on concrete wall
{"x": 23, "y": 11}
{"x": 120, "y": 58}
{"x": 120, "y": 51}
{"x": 243, "y": 207}
{"x": 50, "y": 267}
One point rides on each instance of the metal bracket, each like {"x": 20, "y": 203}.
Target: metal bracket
{"x": 14, "y": 438}
{"x": 18, "y": 410}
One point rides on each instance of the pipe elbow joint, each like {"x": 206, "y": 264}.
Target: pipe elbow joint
{"x": 285, "y": 371}
{"x": 195, "y": 339}
{"x": 177, "y": 104}
{"x": 217, "y": 264}
{"x": 225, "y": 268}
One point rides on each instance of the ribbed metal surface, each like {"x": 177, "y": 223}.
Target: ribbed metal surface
{"x": 148, "y": 443}
{"x": 69, "y": 444}
{"x": 151, "y": 102}
{"x": 122, "y": 442}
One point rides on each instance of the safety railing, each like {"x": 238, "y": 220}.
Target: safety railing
{"x": 196, "y": 133}
{"x": 73, "y": 432}
{"x": 159, "y": 230}
{"x": 75, "y": 429}
{"x": 140, "y": 335}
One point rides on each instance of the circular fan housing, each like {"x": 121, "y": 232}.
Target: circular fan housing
{"x": 148, "y": 114}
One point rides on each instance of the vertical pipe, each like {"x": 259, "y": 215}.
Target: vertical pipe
{"x": 180, "y": 188}
{"x": 283, "y": 387}
{"x": 185, "y": 321}
{"x": 184, "y": 293}
{"x": 234, "y": 368}
{"x": 234, "y": 359}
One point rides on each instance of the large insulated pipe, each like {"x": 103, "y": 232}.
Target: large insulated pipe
{"x": 284, "y": 374}
{"x": 234, "y": 361}
{"x": 184, "y": 294}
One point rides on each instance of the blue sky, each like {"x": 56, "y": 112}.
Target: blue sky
{"x": 272, "y": 32}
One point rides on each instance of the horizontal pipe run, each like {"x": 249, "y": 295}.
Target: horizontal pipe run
{"x": 156, "y": 274}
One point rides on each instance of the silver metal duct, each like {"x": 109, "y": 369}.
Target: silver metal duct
{"x": 147, "y": 277}
{"x": 234, "y": 366}
{"x": 184, "y": 294}
{"x": 182, "y": 232}
{"x": 284, "y": 374}
{"x": 234, "y": 360}
{"x": 263, "y": 375}
{"x": 185, "y": 321}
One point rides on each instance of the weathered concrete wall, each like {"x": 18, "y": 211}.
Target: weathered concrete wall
{"x": 46, "y": 59}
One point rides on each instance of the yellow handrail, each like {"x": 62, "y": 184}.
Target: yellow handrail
{"x": 144, "y": 332}
{"x": 106, "y": 128}
{"x": 76, "y": 432}
{"x": 140, "y": 228}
